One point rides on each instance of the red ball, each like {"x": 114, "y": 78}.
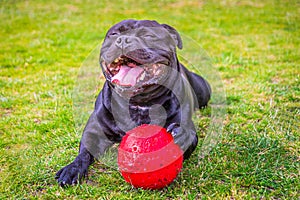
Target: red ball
{"x": 148, "y": 158}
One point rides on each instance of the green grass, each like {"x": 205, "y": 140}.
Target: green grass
{"x": 255, "y": 46}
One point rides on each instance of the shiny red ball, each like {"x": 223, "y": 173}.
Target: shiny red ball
{"x": 148, "y": 158}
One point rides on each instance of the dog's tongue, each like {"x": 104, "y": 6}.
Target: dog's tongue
{"x": 127, "y": 76}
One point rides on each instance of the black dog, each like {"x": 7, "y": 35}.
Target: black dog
{"x": 145, "y": 84}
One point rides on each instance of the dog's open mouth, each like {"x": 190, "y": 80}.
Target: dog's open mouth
{"x": 127, "y": 72}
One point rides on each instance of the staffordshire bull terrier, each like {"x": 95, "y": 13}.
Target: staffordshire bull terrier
{"x": 145, "y": 84}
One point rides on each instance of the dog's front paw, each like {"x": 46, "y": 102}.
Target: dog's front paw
{"x": 174, "y": 129}
{"x": 185, "y": 138}
{"x": 178, "y": 134}
{"x": 72, "y": 174}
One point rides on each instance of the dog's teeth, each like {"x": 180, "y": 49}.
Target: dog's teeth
{"x": 156, "y": 66}
{"x": 157, "y": 72}
{"x": 142, "y": 77}
{"x": 116, "y": 60}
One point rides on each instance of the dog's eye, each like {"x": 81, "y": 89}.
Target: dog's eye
{"x": 113, "y": 34}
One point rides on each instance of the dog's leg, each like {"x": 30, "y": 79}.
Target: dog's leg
{"x": 75, "y": 171}
{"x": 185, "y": 137}
{"x": 93, "y": 143}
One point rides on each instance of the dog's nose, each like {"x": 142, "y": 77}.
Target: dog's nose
{"x": 123, "y": 41}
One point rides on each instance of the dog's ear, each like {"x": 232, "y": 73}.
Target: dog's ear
{"x": 175, "y": 35}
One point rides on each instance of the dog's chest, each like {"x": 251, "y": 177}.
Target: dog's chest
{"x": 140, "y": 114}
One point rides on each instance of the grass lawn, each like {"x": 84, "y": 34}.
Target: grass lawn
{"x": 253, "y": 45}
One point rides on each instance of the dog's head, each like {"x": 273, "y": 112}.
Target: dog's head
{"x": 137, "y": 55}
